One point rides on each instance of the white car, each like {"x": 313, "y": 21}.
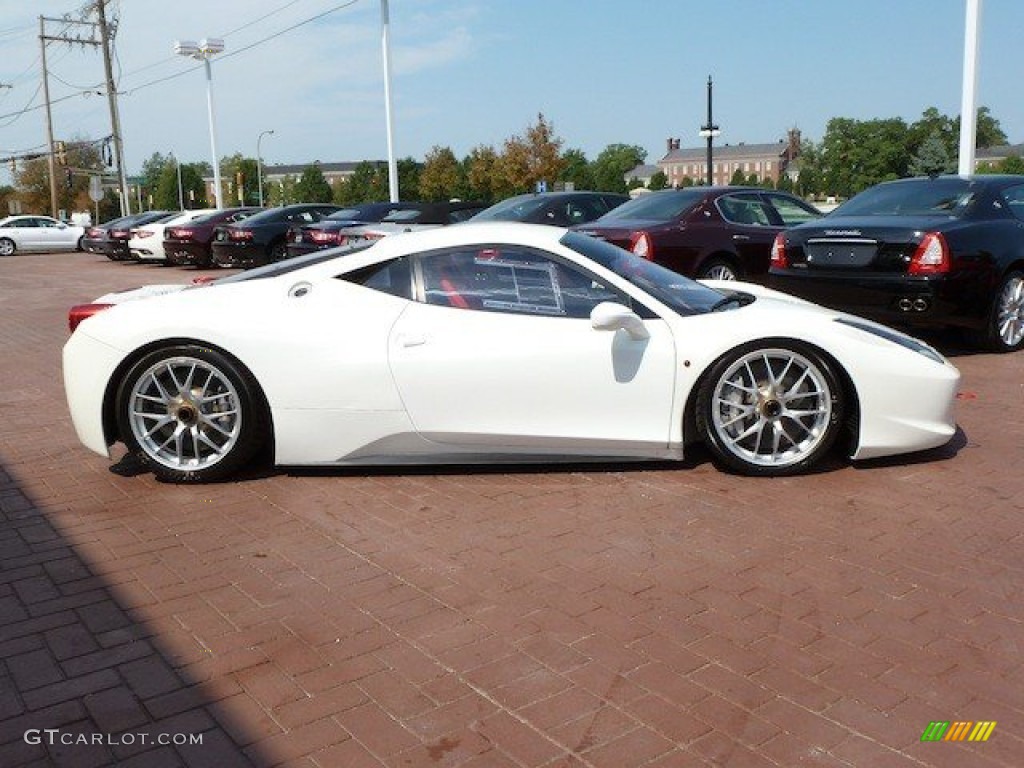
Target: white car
{"x": 38, "y": 233}
{"x": 491, "y": 343}
{"x": 147, "y": 241}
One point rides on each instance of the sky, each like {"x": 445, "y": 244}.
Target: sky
{"x": 467, "y": 73}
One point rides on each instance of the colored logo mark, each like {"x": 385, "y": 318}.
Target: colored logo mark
{"x": 959, "y": 730}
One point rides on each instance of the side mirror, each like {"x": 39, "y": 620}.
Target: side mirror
{"x": 610, "y": 316}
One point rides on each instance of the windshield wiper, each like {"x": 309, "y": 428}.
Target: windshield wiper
{"x": 739, "y": 298}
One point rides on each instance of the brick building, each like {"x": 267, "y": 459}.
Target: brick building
{"x": 765, "y": 161}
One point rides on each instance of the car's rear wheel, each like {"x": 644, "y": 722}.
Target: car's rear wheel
{"x": 718, "y": 269}
{"x": 7, "y": 246}
{"x": 770, "y": 408}
{"x": 278, "y": 250}
{"x": 1006, "y": 322}
{"x": 191, "y": 414}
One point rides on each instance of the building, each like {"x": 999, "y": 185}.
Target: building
{"x": 276, "y": 174}
{"x": 765, "y": 161}
{"x": 995, "y": 155}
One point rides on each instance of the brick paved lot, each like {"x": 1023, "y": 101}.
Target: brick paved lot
{"x": 610, "y": 617}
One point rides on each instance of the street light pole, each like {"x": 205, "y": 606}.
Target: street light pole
{"x": 259, "y": 164}
{"x": 709, "y": 130}
{"x": 969, "y": 95}
{"x": 386, "y": 46}
{"x": 203, "y": 51}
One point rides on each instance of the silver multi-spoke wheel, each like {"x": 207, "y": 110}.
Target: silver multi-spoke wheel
{"x": 719, "y": 270}
{"x": 770, "y": 410}
{"x": 184, "y": 413}
{"x": 1010, "y": 311}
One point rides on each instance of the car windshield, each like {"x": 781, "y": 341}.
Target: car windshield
{"x": 658, "y": 206}
{"x": 513, "y": 209}
{"x": 932, "y": 197}
{"x": 685, "y": 296}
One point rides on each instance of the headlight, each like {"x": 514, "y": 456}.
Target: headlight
{"x": 907, "y": 342}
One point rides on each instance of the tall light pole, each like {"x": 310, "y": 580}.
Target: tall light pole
{"x": 969, "y": 97}
{"x": 386, "y": 47}
{"x": 709, "y": 130}
{"x": 203, "y": 51}
{"x": 259, "y": 164}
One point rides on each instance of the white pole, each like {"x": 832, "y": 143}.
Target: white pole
{"x": 218, "y": 203}
{"x": 392, "y": 165}
{"x": 181, "y": 196}
{"x": 969, "y": 102}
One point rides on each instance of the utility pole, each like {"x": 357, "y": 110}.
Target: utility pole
{"x": 115, "y": 123}
{"x": 49, "y": 121}
{"x": 709, "y": 131}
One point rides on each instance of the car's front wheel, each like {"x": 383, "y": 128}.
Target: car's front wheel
{"x": 770, "y": 408}
{"x": 718, "y": 269}
{"x": 7, "y": 246}
{"x": 191, "y": 414}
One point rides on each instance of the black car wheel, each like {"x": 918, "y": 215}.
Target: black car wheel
{"x": 770, "y": 408}
{"x": 1006, "y": 322}
{"x": 278, "y": 250}
{"x": 191, "y": 414}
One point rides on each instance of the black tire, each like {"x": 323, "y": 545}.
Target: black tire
{"x": 78, "y": 245}
{"x": 7, "y": 246}
{"x": 1004, "y": 329}
{"x": 718, "y": 269}
{"x": 277, "y": 251}
{"x": 770, "y": 408}
{"x": 214, "y": 418}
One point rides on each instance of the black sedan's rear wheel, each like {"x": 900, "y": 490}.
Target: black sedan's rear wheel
{"x": 1006, "y": 322}
{"x": 191, "y": 414}
{"x": 718, "y": 269}
{"x": 770, "y": 408}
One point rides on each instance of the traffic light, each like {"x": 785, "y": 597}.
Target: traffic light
{"x": 68, "y": 178}
{"x": 62, "y": 153}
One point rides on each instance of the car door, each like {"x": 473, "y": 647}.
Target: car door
{"x": 53, "y": 235}
{"x": 498, "y": 353}
{"x": 753, "y": 229}
{"x": 26, "y": 233}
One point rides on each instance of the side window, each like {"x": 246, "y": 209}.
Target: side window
{"x": 393, "y": 277}
{"x": 511, "y": 279}
{"x": 791, "y": 211}
{"x": 581, "y": 211}
{"x": 1015, "y": 199}
{"x": 747, "y": 210}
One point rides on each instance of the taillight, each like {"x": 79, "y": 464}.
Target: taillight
{"x": 321, "y": 236}
{"x": 120, "y": 234}
{"x": 372, "y": 236}
{"x": 180, "y": 234}
{"x": 240, "y": 234}
{"x": 642, "y": 246}
{"x": 79, "y": 312}
{"x": 94, "y": 233}
{"x": 931, "y": 257}
{"x": 142, "y": 233}
{"x": 779, "y": 258}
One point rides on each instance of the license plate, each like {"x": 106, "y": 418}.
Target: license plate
{"x": 840, "y": 253}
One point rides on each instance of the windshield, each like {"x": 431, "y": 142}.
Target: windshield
{"x": 685, "y": 296}
{"x": 925, "y": 197}
{"x": 513, "y": 209}
{"x": 658, "y": 206}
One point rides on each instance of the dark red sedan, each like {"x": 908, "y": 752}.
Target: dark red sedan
{"x": 189, "y": 243}
{"x": 725, "y": 233}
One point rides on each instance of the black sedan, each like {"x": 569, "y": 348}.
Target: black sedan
{"x": 924, "y": 252}
{"x": 560, "y": 209}
{"x": 111, "y": 238}
{"x": 189, "y": 243}
{"x": 723, "y": 233}
{"x": 260, "y": 239}
{"x": 330, "y": 231}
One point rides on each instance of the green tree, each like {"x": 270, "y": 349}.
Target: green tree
{"x": 409, "y": 178}
{"x": 658, "y": 181}
{"x": 611, "y": 166}
{"x": 932, "y": 158}
{"x": 32, "y": 179}
{"x": 739, "y": 178}
{"x": 857, "y": 154}
{"x": 193, "y": 189}
{"x": 312, "y": 187}
{"x": 367, "y": 184}
{"x": 988, "y": 134}
{"x": 236, "y": 167}
{"x": 576, "y": 170}
{"x": 443, "y": 176}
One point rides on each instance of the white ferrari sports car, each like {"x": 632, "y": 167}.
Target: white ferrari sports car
{"x": 491, "y": 342}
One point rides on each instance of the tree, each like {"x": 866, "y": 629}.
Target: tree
{"x": 857, "y": 154}
{"x": 409, "y": 178}
{"x": 612, "y": 165}
{"x": 367, "y": 184}
{"x": 32, "y": 179}
{"x": 480, "y": 171}
{"x": 193, "y": 189}
{"x": 739, "y": 178}
{"x": 240, "y": 167}
{"x": 576, "y": 170}
{"x": 443, "y": 176}
{"x": 658, "y": 181}
{"x": 988, "y": 133}
{"x": 312, "y": 187}
{"x": 527, "y": 161}
{"x": 932, "y": 158}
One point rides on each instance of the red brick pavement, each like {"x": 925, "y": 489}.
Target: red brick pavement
{"x": 613, "y": 616}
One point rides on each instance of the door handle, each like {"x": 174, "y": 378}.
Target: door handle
{"x": 741, "y": 237}
{"x": 412, "y": 339}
